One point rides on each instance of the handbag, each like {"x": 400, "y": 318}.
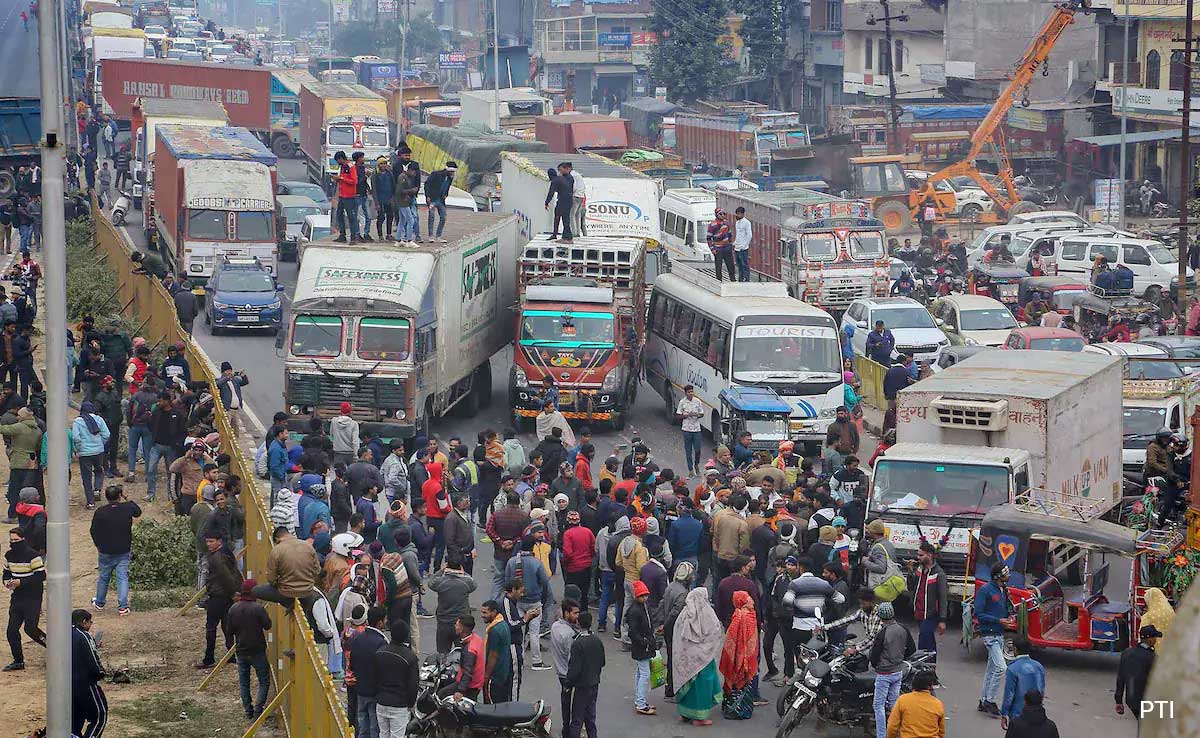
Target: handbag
{"x": 894, "y": 584}
{"x": 658, "y": 670}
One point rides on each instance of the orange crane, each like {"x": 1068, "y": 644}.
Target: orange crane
{"x": 989, "y": 134}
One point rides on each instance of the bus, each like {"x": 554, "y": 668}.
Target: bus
{"x": 714, "y": 335}
{"x": 182, "y": 8}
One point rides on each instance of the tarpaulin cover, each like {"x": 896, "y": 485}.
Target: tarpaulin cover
{"x": 474, "y": 146}
{"x": 645, "y": 114}
{"x": 947, "y": 112}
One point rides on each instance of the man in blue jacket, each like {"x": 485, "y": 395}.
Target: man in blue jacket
{"x": 277, "y": 461}
{"x": 383, "y": 188}
{"x": 992, "y": 614}
{"x": 880, "y": 343}
{"x": 684, "y": 534}
{"x": 1023, "y": 675}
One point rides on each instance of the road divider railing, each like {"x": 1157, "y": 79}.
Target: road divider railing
{"x": 306, "y": 697}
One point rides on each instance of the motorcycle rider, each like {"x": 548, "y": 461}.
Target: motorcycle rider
{"x": 1160, "y": 462}
{"x": 903, "y": 285}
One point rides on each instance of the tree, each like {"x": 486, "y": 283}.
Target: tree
{"x": 764, "y": 33}
{"x": 689, "y": 59}
{"x": 355, "y": 39}
{"x": 424, "y": 38}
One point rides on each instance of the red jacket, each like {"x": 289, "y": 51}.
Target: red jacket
{"x": 474, "y": 646}
{"x": 578, "y": 548}
{"x": 583, "y": 472}
{"x": 347, "y": 182}
{"x": 437, "y": 502}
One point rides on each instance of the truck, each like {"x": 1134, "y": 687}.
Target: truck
{"x": 829, "y": 251}
{"x": 375, "y": 73}
{"x": 214, "y": 194}
{"x": 1148, "y": 405}
{"x": 20, "y": 132}
{"x": 285, "y": 110}
{"x": 518, "y": 108}
{"x": 403, "y": 334}
{"x": 340, "y": 117}
{"x": 581, "y": 322}
{"x": 476, "y": 150}
{"x": 113, "y": 43}
{"x": 245, "y": 92}
{"x": 616, "y": 201}
{"x": 648, "y": 118}
{"x": 999, "y": 424}
{"x": 760, "y": 141}
{"x": 144, "y": 121}
{"x": 572, "y": 133}
{"x": 404, "y": 104}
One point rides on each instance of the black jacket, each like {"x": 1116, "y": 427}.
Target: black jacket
{"x": 224, "y": 579}
{"x": 341, "y": 507}
{"x": 437, "y": 185}
{"x": 1132, "y": 674}
{"x": 397, "y": 672}
{"x": 86, "y": 670}
{"x": 23, "y": 564}
{"x": 553, "y": 453}
{"x": 586, "y": 661}
{"x": 362, "y": 661}
{"x": 185, "y": 306}
{"x": 167, "y": 427}
{"x": 641, "y": 632}
{"x": 562, "y": 191}
{"x": 112, "y": 527}
{"x": 1032, "y": 723}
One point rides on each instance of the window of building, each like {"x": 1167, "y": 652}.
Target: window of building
{"x": 868, "y": 52}
{"x": 569, "y": 34}
{"x": 899, "y": 49}
{"x": 1153, "y": 71}
{"x": 834, "y": 12}
{"x": 1175, "y": 80}
{"x": 885, "y": 59}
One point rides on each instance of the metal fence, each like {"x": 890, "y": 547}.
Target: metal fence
{"x": 870, "y": 374}
{"x": 306, "y": 698}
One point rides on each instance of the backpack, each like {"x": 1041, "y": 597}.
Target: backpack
{"x": 893, "y": 584}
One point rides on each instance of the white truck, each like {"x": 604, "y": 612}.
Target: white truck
{"x": 983, "y": 431}
{"x": 402, "y": 334}
{"x": 1149, "y": 405}
{"x": 518, "y": 108}
{"x": 113, "y": 43}
{"x": 614, "y": 201}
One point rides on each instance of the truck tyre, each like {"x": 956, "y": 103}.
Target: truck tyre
{"x": 283, "y": 147}
{"x": 483, "y": 383}
{"x": 8, "y": 184}
{"x": 1024, "y": 206}
{"x": 895, "y": 216}
{"x": 470, "y": 403}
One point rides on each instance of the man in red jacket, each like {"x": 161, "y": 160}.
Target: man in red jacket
{"x": 437, "y": 507}
{"x": 578, "y": 552}
{"x": 347, "y": 198}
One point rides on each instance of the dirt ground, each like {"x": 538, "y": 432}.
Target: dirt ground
{"x": 154, "y": 645}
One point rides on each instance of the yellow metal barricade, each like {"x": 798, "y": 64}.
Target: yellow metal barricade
{"x": 306, "y": 697}
{"x": 871, "y": 373}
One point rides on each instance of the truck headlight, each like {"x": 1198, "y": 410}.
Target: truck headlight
{"x": 828, "y": 412}
{"x": 612, "y": 381}
{"x": 519, "y": 377}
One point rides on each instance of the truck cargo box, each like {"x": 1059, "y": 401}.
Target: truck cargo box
{"x": 244, "y": 91}
{"x": 570, "y": 133}
{"x": 767, "y": 212}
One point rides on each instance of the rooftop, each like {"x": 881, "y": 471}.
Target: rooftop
{"x": 1006, "y": 374}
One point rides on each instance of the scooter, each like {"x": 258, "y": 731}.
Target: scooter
{"x": 120, "y": 209}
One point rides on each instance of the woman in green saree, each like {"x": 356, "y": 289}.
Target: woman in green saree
{"x": 696, "y": 645}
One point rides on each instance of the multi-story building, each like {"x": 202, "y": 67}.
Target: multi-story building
{"x": 869, "y": 60}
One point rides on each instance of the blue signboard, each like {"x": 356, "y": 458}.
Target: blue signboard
{"x": 452, "y": 60}
{"x": 615, "y": 40}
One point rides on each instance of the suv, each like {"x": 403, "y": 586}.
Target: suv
{"x": 242, "y": 294}
{"x": 911, "y": 325}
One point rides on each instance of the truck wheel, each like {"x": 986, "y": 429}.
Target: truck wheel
{"x": 483, "y": 383}
{"x": 470, "y": 403}
{"x": 8, "y": 184}
{"x": 283, "y": 147}
{"x": 895, "y": 216}
{"x": 1024, "y": 206}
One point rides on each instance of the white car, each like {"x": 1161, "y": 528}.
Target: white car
{"x": 1050, "y": 217}
{"x": 973, "y": 320}
{"x": 315, "y": 228}
{"x": 155, "y": 34}
{"x": 912, "y": 327}
{"x": 220, "y": 52}
{"x": 970, "y": 200}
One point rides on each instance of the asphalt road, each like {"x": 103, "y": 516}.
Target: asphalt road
{"x": 18, "y": 51}
{"x": 1079, "y": 685}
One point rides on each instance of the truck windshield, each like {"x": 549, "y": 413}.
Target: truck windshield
{"x": 818, "y": 247}
{"x": 553, "y": 328}
{"x": 317, "y": 335}
{"x": 1135, "y": 369}
{"x": 208, "y": 224}
{"x": 782, "y": 350}
{"x": 375, "y": 136}
{"x": 1140, "y": 424}
{"x": 383, "y": 339}
{"x": 867, "y": 245}
{"x": 255, "y": 226}
{"x": 937, "y": 488}
{"x": 341, "y": 135}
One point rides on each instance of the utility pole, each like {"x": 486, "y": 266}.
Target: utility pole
{"x": 1186, "y": 165}
{"x": 496, "y": 61}
{"x": 58, "y": 525}
{"x": 1124, "y": 102}
{"x": 889, "y": 55}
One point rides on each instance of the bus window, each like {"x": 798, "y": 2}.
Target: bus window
{"x": 691, "y": 234}
{"x": 669, "y": 222}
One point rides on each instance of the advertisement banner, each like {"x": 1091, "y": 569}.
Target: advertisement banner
{"x": 341, "y": 11}
{"x": 644, "y": 38}
{"x": 615, "y": 209}
{"x": 1027, "y": 120}
{"x": 1108, "y": 200}
{"x": 615, "y": 40}
{"x": 452, "y": 60}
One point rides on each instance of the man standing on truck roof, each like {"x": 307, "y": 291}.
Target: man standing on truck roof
{"x": 347, "y": 199}
{"x": 580, "y": 190}
{"x": 363, "y": 184}
{"x": 743, "y": 232}
{"x": 383, "y": 188}
{"x": 720, "y": 242}
{"x": 437, "y": 189}
{"x": 562, "y": 191}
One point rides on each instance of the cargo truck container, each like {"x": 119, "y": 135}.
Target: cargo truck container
{"x": 21, "y": 129}
{"x": 340, "y": 117}
{"x": 829, "y": 251}
{"x": 518, "y": 108}
{"x": 989, "y": 428}
{"x": 572, "y": 133}
{"x": 214, "y": 193}
{"x": 404, "y": 104}
{"x": 581, "y": 322}
{"x": 402, "y": 334}
{"x": 245, "y": 92}
{"x": 477, "y": 152}
{"x": 616, "y": 200}
{"x": 759, "y": 141}
{"x": 648, "y": 118}
{"x": 375, "y": 73}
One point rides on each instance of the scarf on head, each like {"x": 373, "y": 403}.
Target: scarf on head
{"x": 697, "y": 638}
{"x": 739, "y": 656}
{"x": 87, "y": 411}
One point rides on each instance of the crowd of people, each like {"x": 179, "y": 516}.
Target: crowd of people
{"x": 389, "y": 197}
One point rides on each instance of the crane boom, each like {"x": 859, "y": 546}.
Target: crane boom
{"x": 989, "y": 132}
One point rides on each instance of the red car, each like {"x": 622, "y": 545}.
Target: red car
{"x": 1044, "y": 339}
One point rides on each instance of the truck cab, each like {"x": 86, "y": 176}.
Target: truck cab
{"x": 1148, "y": 405}
{"x": 832, "y": 253}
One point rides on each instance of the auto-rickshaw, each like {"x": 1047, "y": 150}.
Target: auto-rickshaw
{"x": 758, "y": 410}
{"x": 1058, "y": 292}
{"x": 1060, "y": 562}
{"x": 998, "y": 281}
{"x": 1091, "y": 311}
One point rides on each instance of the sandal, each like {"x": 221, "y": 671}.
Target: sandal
{"x": 649, "y": 710}
{"x": 701, "y": 723}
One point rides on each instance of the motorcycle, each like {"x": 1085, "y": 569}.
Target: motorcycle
{"x": 839, "y": 687}
{"x": 120, "y": 209}
{"x": 437, "y": 716}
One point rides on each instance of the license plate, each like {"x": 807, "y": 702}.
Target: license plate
{"x": 247, "y": 318}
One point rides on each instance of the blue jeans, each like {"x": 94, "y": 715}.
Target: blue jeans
{"x": 365, "y": 213}
{"x": 993, "y": 678}
{"x": 263, "y": 670}
{"x": 139, "y": 438}
{"x": 927, "y": 638}
{"x": 157, "y": 451}
{"x": 498, "y": 579}
{"x": 440, "y": 207}
{"x": 410, "y": 222}
{"x": 742, "y": 259}
{"x": 606, "y": 585}
{"x": 887, "y": 691}
{"x": 691, "y": 449}
{"x": 439, "y": 540}
{"x": 641, "y": 683}
{"x": 110, "y": 563}
{"x": 367, "y": 724}
{"x": 26, "y": 232}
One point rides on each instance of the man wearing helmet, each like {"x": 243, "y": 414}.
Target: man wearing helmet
{"x": 1160, "y": 462}
{"x": 993, "y": 611}
{"x": 336, "y": 568}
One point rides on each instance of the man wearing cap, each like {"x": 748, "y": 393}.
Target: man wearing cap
{"x": 892, "y": 646}
{"x": 229, "y": 386}
{"x": 343, "y": 432}
{"x": 643, "y": 645}
{"x": 247, "y": 624}
{"x": 630, "y": 558}
{"x": 720, "y": 242}
{"x": 1134, "y": 671}
{"x": 567, "y": 484}
{"x": 688, "y": 412}
{"x": 437, "y": 189}
{"x": 992, "y": 611}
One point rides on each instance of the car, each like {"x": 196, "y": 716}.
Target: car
{"x": 290, "y": 212}
{"x": 971, "y": 200}
{"x": 1185, "y": 349}
{"x": 314, "y": 228}
{"x": 973, "y": 320}
{"x": 1044, "y": 339}
{"x": 155, "y": 34}
{"x": 191, "y": 56}
{"x": 1048, "y": 217}
{"x": 910, "y": 323}
{"x": 952, "y": 355}
{"x": 307, "y": 189}
{"x": 1137, "y": 370}
{"x": 220, "y": 52}
{"x": 242, "y": 294}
